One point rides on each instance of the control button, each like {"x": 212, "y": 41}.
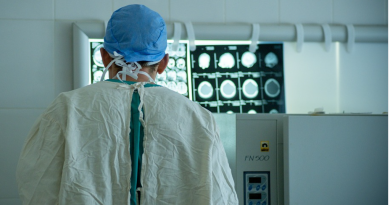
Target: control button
{"x": 258, "y": 188}
{"x": 258, "y": 203}
{"x": 250, "y": 203}
{"x": 250, "y": 187}
{"x": 264, "y": 203}
{"x": 264, "y": 187}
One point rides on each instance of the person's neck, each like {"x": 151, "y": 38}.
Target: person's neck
{"x": 141, "y": 78}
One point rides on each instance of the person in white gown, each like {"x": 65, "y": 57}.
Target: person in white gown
{"x": 126, "y": 140}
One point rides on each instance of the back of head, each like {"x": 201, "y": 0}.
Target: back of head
{"x": 137, "y": 33}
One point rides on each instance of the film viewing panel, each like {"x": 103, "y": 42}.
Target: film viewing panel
{"x": 176, "y": 74}
{"x": 96, "y": 62}
{"x": 175, "y": 77}
{"x": 230, "y": 79}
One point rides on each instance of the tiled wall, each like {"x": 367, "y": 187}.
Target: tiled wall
{"x": 36, "y": 57}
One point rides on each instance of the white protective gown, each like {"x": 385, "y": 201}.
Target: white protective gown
{"x": 78, "y": 150}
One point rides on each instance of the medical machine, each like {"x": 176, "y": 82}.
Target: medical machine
{"x": 254, "y": 147}
{"x": 282, "y": 159}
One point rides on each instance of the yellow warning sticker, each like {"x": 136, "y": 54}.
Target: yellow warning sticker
{"x": 264, "y": 146}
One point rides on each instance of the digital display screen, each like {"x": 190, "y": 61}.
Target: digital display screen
{"x": 254, "y": 196}
{"x": 254, "y": 179}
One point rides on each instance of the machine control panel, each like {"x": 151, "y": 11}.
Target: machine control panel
{"x": 257, "y": 186}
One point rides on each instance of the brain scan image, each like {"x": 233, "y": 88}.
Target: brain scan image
{"x": 252, "y": 112}
{"x": 226, "y": 61}
{"x": 94, "y": 68}
{"x": 171, "y": 76}
{"x": 181, "y": 88}
{"x": 205, "y": 90}
{"x": 97, "y": 57}
{"x": 162, "y": 76}
{"x": 272, "y": 88}
{"x": 162, "y": 83}
{"x": 228, "y": 89}
{"x": 204, "y": 60}
{"x": 172, "y": 85}
{"x": 250, "y": 88}
{"x": 169, "y": 50}
{"x": 181, "y": 76}
{"x": 181, "y": 63}
{"x": 98, "y": 75}
{"x": 248, "y": 59}
{"x": 181, "y": 51}
{"x": 171, "y": 63}
{"x": 270, "y": 60}
{"x": 273, "y": 111}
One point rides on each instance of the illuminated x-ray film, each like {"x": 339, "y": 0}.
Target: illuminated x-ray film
{"x": 227, "y": 78}
{"x": 175, "y": 77}
{"x": 96, "y": 62}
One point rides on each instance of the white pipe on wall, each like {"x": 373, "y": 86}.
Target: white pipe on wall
{"x": 268, "y": 32}
{"x": 84, "y": 30}
{"x": 282, "y": 32}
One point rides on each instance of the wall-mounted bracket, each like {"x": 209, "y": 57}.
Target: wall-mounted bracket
{"x": 327, "y": 36}
{"x": 300, "y": 36}
{"x": 255, "y": 37}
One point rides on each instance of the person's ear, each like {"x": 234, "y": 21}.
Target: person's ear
{"x": 163, "y": 64}
{"x": 106, "y": 58}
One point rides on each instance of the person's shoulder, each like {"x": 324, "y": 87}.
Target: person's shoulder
{"x": 174, "y": 108}
{"x": 92, "y": 87}
{"x": 169, "y": 95}
{"x": 81, "y": 98}
{"x": 78, "y": 96}
{"x": 178, "y": 101}
{"x": 87, "y": 90}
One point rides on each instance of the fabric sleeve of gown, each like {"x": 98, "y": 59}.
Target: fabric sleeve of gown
{"x": 223, "y": 185}
{"x": 40, "y": 164}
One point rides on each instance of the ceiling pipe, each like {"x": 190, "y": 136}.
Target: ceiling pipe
{"x": 282, "y": 32}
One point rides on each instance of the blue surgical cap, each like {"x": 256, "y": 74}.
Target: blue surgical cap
{"x": 137, "y": 33}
